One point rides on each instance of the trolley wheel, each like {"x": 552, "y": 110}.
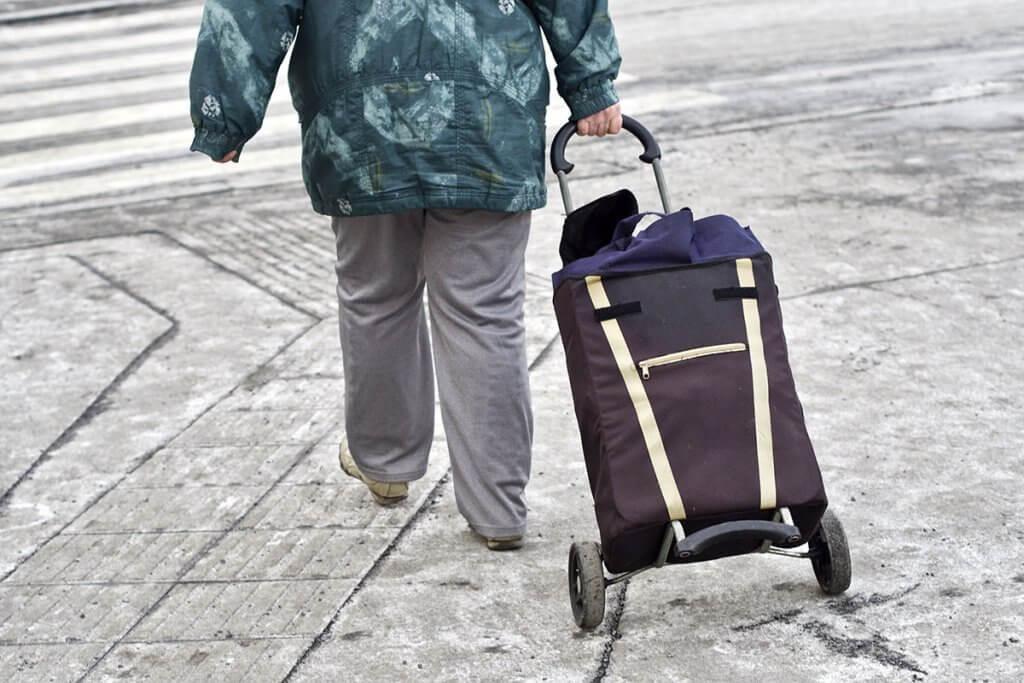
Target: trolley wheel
{"x": 586, "y": 584}
{"x": 831, "y": 555}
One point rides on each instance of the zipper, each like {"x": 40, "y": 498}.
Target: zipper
{"x": 688, "y": 354}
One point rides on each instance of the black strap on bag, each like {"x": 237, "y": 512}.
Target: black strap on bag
{"x": 610, "y": 312}
{"x": 725, "y": 293}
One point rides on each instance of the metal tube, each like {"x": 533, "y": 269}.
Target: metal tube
{"x": 659, "y": 176}
{"x": 788, "y": 553}
{"x": 563, "y": 184}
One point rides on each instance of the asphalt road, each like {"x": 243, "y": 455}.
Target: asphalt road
{"x": 170, "y": 385}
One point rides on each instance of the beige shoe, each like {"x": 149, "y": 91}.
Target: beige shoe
{"x": 504, "y": 542}
{"x": 384, "y": 492}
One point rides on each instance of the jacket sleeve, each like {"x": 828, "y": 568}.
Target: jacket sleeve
{"x": 240, "y": 47}
{"x": 582, "y": 39}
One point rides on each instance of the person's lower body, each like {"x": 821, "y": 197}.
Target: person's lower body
{"x": 472, "y": 266}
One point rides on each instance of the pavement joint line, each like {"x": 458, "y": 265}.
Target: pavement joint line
{"x": 158, "y": 641}
{"x": 614, "y": 635}
{"x": 221, "y": 267}
{"x": 203, "y": 552}
{"x": 146, "y": 457}
{"x": 868, "y": 284}
{"x": 325, "y": 634}
{"x": 173, "y": 582}
{"x": 71, "y": 241}
{"x": 244, "y": 529}
{"x": 435, "y": 493}
{"x": 98, "y": 405}
{"x": 544, "y": 352}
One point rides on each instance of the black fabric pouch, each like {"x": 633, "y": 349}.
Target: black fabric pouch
{"x": 592, "y": 226}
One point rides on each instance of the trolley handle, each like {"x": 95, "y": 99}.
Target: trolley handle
{"x": 652, "y": 150}
{"x": 651, "y": 155}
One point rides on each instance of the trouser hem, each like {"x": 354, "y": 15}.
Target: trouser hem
{"x": 392, "y": 477}
{"x": 499, "y": 531}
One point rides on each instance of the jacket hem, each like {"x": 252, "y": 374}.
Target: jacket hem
{"x": 484, "y": 201}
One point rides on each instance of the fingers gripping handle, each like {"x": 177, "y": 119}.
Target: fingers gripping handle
{"x": 651, "y": 155}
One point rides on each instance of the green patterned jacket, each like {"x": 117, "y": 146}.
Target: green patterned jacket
{"x": 404, "y": 104}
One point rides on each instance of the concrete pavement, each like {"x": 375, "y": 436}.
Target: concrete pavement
{"x": 171, "y": 388}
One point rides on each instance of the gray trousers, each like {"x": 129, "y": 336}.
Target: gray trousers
{"x": 472, "y": 264}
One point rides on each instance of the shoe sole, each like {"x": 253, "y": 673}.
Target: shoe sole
{"x": 501, "y": 544}
{"x": 387, "y": 500}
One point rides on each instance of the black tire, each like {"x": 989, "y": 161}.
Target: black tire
{"x": 831, "y": 555}
{"x": 586, "y": 584}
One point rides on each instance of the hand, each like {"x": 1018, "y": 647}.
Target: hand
{"x": 230, "y": 155}
{"x": 607, "y": 121}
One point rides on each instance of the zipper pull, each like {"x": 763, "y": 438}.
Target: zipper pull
{"x": 645, "y": 371}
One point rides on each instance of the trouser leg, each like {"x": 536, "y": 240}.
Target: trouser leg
{"x": 475, "y": 270}
{"x": 389, "y": 390}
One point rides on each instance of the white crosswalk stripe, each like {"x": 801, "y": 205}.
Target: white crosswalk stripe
{"x": 24, "y": 56}
{"x": 109, "y": 67}
{"x": 55, "y": 31}
{"x": 102, "y": 122}
{"x": 85, "y": 92}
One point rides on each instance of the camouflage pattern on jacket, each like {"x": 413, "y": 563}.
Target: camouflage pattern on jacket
{"x": 404, "y": 104}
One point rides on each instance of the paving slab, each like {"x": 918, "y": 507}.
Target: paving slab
{"x": 242, "y": 659}
{"x": 56, "y": 366}
{"x": 225, "y": 611}
{"x": 47, "y": 662}
{"x": 166, "y": 386}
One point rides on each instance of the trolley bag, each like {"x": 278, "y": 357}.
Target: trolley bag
{"x": 680, "y": 379}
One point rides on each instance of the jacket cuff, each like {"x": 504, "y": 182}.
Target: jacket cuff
{"x": 592, "y": 99}
{"x": 216, "y": 145}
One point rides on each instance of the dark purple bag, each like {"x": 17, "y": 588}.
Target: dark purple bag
{"x": 682, "y": 386}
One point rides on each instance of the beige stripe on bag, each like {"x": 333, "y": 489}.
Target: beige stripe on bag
{"x": 644, "y": 412}
{"x": 762, "y": 407}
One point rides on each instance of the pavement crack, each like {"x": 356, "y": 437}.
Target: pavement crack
{"x": 874, "y": 648}
{"x": 780, "y": 618}
{"x": 614, "y": 634}
{"x": 850, "y": 604}
{"x": 865, "y": 284}
{"x": 103, "y": 400}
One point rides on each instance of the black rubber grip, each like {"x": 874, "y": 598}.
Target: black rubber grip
{"x": 559, "y": 163}
{"x": 752, "y": 530}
